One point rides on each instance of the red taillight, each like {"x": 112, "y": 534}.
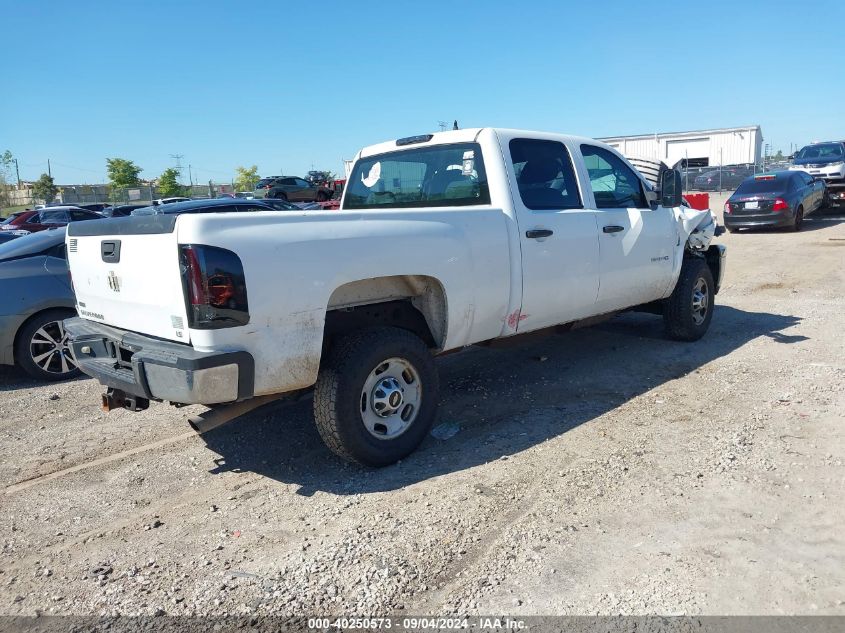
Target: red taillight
{"x": 215, "y": 288}
{"x": 194, "y": 277}
{"x": 780, "y": 205}
{"x": 727, "y": 207}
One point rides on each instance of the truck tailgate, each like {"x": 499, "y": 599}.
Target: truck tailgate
{"x": 126, "y": 273}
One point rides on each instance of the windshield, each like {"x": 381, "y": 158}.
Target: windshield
{"x": 438, "y": 176}
{"x": 776, "y": 185}
{"x": 32, "y": 244}
{"x": 822, "y": 151}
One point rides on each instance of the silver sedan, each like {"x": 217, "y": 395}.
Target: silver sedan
{"x": 36, "y": 298}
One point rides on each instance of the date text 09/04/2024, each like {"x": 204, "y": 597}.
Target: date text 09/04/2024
{"x": 417, "y": 623}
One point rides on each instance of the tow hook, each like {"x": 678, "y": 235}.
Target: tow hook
{"x": 117, "y": 399}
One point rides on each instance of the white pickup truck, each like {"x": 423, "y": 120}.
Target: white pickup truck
{"x": 442, "y": 241}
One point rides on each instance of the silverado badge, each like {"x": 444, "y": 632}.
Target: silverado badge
{"x": 114, "y": 281}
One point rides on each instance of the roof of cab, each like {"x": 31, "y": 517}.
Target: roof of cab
{"x": 469, "y": 135}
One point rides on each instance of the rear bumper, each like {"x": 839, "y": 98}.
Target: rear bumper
{"x": 160, "y": 370}
{"x": 769, "y": 220}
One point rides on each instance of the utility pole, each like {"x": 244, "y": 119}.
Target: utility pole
{"x": 49, "y": 173}
{"x": 178, "y": 158}
{"x": 190, "y": 177}
{"x": 444, "y": 125}
{"x": 17, "y": 172}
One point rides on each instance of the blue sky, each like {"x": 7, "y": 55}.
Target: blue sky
{"x": 287, "y": 85}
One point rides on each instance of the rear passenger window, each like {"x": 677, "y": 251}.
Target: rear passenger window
{"x": 544, "y": 174}
{"x": 614, "y": 184}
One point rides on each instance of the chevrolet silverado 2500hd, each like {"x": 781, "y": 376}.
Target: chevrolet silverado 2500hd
{"x": 442, "y": 241}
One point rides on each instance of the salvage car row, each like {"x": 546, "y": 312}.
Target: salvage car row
{"x": 37, "y": 293}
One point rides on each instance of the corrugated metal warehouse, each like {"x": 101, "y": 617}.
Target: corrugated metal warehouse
{"x": 702, "y": 148}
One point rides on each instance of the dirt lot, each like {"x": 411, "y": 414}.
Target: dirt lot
{"x": 603, "y": 471}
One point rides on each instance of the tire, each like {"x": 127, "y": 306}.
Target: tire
{"x": 280, "y": 195}
{"x": 350, "y": 389}
{"x": 731, "y": 229}
{"x": 688, "y": 311}
{"x": 322, "y": 196}
{"x": 799, "y": 220}
{"x": 41, "y": 347}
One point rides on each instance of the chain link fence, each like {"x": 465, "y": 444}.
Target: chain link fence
{"x": 724, "y": 177}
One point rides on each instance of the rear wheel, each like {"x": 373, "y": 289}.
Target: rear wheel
{"x": 42, "y": 348}
{"x": 731, "y": 229}
{"x": 376, "y": 396}
{"x": 799, "y": 219}
{"x": 688, "y": 311}
{"x": 280, "y": 195}
{"x": 322, "y": 196}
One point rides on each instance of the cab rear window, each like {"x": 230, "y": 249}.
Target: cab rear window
{"x": 437, "y": 176}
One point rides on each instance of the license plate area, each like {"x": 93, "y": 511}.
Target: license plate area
{"x": 752, "y": 205}
{"x": 121, "y": 355}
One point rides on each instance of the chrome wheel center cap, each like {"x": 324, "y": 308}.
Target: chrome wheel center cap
{"x": 387, "y": 397}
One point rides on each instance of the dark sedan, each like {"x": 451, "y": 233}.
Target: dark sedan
{"x": 121, "y": 210}
{"x": 291, "y": 189}
{"x": 728, "y": 179}
{"x": 214, "y": 205}
{"x": 778, "y": 199}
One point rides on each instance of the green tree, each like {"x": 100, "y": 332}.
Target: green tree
{"x": 246, "y": 178}
{"x": 45, "y": 189}
{"x": 168, "y": 183}
{"x": 123, "y": 173}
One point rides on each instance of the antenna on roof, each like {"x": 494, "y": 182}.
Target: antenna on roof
{"x": 455, "y": 125}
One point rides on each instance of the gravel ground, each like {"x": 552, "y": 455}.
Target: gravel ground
{"x": 599, "y": 472}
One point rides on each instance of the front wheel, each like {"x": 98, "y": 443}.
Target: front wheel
{"x": 376, "y": 396}
{"x": 688, "y": 311}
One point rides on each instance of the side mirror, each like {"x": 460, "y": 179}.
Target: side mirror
{"x": 671, "y": 188}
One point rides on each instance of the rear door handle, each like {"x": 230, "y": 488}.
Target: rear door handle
{"x": 535, "y": 233}
{"x": 613, "y": 228}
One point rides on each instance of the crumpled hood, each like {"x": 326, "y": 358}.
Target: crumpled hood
{"x": 696, "y": 226}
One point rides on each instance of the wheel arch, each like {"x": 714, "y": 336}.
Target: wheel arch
{"x": 412, "y": 302}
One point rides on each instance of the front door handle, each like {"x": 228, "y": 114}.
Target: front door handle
{"x": 535, "y": 233}
{"x": 613, "y": 228}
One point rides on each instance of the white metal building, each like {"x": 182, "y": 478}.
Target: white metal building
{"x": 702, "y": 148}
